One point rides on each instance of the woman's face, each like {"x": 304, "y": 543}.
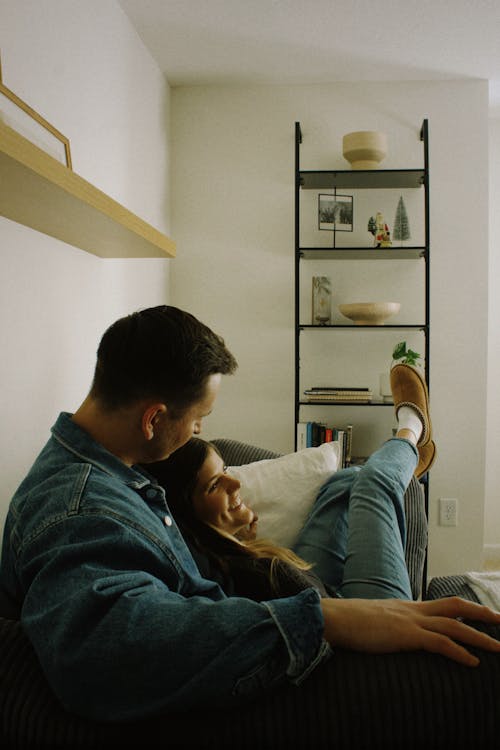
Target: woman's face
{"x": 217, "y": 501}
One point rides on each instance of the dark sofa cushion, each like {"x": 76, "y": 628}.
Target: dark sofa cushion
{"x": 355, "y": 701}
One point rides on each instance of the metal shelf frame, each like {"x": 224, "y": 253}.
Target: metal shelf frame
{"x": 370, "y": 180}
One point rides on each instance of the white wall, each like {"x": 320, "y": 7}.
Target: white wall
{"x": 232, "y": 213}
{"x": 82, "y": 66}
{"x": 492, "y": 514}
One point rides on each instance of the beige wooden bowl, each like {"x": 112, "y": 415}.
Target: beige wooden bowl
{"x": 369, "y": 313}
{"x": 364, "y": 149}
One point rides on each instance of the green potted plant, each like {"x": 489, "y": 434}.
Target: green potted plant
{"x": 400, "y": 355}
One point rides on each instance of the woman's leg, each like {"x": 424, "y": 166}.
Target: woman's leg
{"x": 323, "y": 538}
{"x": 375, "y": 566}
{"x": 355, "y": 533}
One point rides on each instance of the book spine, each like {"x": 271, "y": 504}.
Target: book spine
{"x": 341, "y": 439}
{"x": 301, "y": 436}
{"x": 318, "y": 434}
{"x": 314, "y": 434}
{"x": 348, "y": 456}
{"x": 343, "y": 395}
{"x": 335, "y": 388}
{"x": 345, "y": 392}
{"x": 337, "y": 397}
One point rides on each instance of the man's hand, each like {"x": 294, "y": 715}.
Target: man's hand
{"x": 389, "y": 625}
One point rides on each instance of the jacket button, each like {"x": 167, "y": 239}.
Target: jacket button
{"x": 168, "y": 521}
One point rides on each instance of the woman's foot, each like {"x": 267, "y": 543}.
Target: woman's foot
{"x": 426, "y": 457}
{"x": 410, "y": 390}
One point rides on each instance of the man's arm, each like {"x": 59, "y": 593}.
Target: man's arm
{"x": 122, "y": 631}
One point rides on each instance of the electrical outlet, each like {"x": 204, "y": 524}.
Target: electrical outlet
{"x": 448, "y": 511}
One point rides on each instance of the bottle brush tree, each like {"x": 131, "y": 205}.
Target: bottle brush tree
{"x": 401, "y": 229}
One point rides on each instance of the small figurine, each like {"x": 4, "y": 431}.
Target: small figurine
{"x": 380, "y": 231}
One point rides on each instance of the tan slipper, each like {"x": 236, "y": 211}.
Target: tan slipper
{"x": 426, "y": 457}
{"x": 409, "y": 389}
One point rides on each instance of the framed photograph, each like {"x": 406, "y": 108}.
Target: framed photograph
{"x": 335, "y": 212}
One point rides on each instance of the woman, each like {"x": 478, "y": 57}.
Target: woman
{"x": 352, "y": 544}
{"x": 220, "y": 529}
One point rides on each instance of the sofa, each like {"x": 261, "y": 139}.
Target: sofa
{"x": 354, "y": 701}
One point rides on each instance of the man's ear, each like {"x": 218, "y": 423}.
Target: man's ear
{"x": 150, "y": 418}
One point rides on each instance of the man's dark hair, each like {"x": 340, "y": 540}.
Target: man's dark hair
{"x": 161, "y": 353}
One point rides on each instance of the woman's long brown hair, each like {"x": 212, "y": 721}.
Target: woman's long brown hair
{"x": 178, "y": 475}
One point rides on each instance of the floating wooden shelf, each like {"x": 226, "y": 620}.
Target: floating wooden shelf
{"x": 38, "y": 191}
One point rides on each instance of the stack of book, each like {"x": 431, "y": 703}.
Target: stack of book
{"x": 332, "y": 394}
{"x": 312, "y": 434}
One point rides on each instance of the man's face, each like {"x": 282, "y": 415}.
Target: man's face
{"x": 173, "y": 432}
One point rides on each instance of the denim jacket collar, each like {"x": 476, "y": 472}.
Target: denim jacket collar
{"x": 79, "y": 442}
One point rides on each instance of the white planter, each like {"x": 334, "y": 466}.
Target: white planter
{"x": 364, "y": 149}
{"x": 385, "y": 387}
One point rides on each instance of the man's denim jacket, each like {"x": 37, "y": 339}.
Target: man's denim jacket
{"x": 117, "y": 611}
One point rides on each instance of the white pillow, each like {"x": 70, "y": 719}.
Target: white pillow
{"x": 282, "y": 490}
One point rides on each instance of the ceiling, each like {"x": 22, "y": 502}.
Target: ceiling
{"x": 205, "y": 42}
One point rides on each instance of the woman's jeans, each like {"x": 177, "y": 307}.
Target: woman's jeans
{"x": 355, "y": 534}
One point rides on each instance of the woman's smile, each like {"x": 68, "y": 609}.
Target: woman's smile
{"x": 217, "y": 500}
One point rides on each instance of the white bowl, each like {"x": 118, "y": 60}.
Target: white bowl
{"x": 364, "y": 149}
{"x": 369, "y": 313}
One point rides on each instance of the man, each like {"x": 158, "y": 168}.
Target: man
{"x": 107, "y": 591}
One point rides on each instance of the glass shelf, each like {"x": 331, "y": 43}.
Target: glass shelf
{"x": 362, "y": 253}
{"x": 371, "y": 179}
{"x": 351, "y": 326}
